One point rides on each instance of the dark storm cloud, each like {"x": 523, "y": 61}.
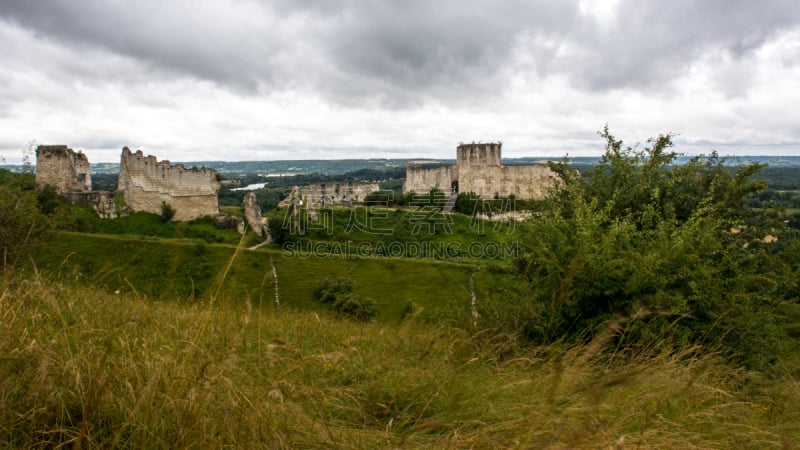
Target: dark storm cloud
{"x": 653, "y": 42}
{"x": 183, "y": 38}
{"x": 449, "y": 49}
{"x": 399, "y": 54}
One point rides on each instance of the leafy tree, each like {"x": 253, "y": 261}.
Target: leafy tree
{"x": 645, "y": 186}
{"x": 280, "y": 223}
{"x": 639, "y": 237}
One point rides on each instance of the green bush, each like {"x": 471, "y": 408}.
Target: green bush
{"x": 669, "y": 246}
{"x": 466, "y": 203}
{"x": 340, "y": 296}
{"x": 167, "y": 212}
{"x": 23, "y": 225}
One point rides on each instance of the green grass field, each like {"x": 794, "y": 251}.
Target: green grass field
{"x": 88, "y": 368}
{"x": 143, "y": 224}
{"x": 195, "y": 271}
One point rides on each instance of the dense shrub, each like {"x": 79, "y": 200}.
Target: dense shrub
{"x": 466, "y": 203}
{"x": 167, "y": 212}
{"x": 673, "y": 247}
{"x": 340, "y": 296}
{"x": 23, "y": 224}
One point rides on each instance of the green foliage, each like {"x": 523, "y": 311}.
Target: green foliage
{"x": 276, "y": 188}
{"x": 776, "y": 199}
{"x": 393, "y": 185}
{"x": 22, "y": 225}
{"x": 380, "y": 197}
{"x": 340, "y": 296}
{"x": 435, "y": 197}
{"x": 167, "y": 212}
{"x": 268, "y": 199}
{"x": 389, "y": 198}
{"x": 105, "y": 181}
{"x": 85, "y": 368}
{"x": 672, "y": 245}
{"x": 48, "y": 199}
{"x": 280, "y": 224}
{"x": 119, "y": 204}
{"x": 415, "y": 233}
{"x": 466, "y": 203}
{"x": 327, "y": 289}
{"x": 23, "y": 181}
{"x": 159, "y": 268}
{"x": 644, "y": 186}
{"x": 25, "y": 215}
{"x": 85, "y": 220}
{"x": 782, "y": 178}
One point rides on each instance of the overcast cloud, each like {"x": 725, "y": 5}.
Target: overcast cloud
{"x": 240, "y": 79}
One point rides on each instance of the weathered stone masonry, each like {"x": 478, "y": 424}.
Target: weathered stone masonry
{"x": 320, "y": 195}
{"x": 68, "y": 172}
{"x": 64, "y": 169}
{"x": 146, "y": 182}
{"x": 478, "y": 169}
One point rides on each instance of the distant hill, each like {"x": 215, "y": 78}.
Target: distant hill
{"x": 336, "y": 166}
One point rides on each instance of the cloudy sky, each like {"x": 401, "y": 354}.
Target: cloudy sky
{"x": 314, "y": 79}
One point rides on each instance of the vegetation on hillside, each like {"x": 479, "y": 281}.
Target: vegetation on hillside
{"x": 647, "y": 304}
{"x": 87, "y": 368}
{"x": 188, "y": 271}
{"x": 375, "y": 230}
{"x": 27, "y": 215}
{"x": 674, "y": 247}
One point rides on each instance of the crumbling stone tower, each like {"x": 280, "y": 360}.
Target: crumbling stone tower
{"x": 478, "y": 154}
{"x": 63, "y": 168}
{"x": 68, "y": 172}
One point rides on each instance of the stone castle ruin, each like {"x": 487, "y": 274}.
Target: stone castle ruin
{"x": 68, "y": 173}
{"x": 321, "y": 195}
{"x": 478, "y": 169}
{"x": 146, "y": 183}
{"x": 252, "y": 213}
{"x": 62, "y": 168}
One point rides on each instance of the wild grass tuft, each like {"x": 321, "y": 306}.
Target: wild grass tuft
{"x": 87, "y": 368}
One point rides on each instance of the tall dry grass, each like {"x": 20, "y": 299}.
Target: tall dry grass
{"x": 84, "y": 368}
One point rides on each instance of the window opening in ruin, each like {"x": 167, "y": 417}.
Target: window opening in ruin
{"x": 454, "y": 186}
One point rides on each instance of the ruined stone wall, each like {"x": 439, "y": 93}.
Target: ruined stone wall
{"x": 101, "y": 201}
{"x": 524, "y": 182}
{"x": 420, "y": 178}
{"x": 63, "y": 168}
{"x": 330, "y": 194}
{"x": 146, "y": 182}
